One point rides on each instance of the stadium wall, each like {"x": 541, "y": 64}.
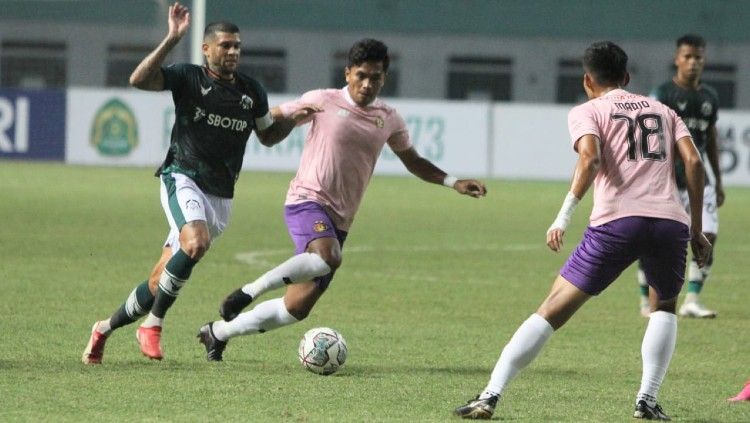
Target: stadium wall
{"x": 421, "y": 65}
{"x": 124, "y": 127}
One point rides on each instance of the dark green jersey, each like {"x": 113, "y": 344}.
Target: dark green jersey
{"x": 698, "y": 108}
{"x": 213, "y": 121}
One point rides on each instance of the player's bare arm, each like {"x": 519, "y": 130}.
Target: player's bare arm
{"x": 587, "y": 166}
{"x": 282, "y": 125}
{"x": 695, "y": 173}
{"x": 712, "y": 152}
{"x": 427, "y": 171}
{"x": 147, "y": 75}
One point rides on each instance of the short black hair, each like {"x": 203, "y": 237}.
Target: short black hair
{"x": 221, "y": 26}
{"x": 368, "y": 50}
{"x": 606, "y": 62}
{"x": 693, "y": 40}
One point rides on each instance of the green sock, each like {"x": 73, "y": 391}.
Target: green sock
{"x": 137, "y": 305}
{"x": 695, "y": 287}
{"x": 181, "y": 265}
{"x": 644, "y": 290}
{"x": 176, "y": 273}
{"x": 162, "y": 302}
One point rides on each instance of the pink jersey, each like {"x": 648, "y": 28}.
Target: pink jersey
{"x": 341, "y": 149}
{"x": 637, "y": 139}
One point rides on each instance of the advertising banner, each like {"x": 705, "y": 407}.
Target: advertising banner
{"x": 453, "y": 135}
{"x": 118, "y": 127}
{"x": 129, "y": 127}
{"x": 531, "y": 142}
{"x": 132, "y": 128}
{"x": 734, "y": 147}
{"x": 32, "y": 124}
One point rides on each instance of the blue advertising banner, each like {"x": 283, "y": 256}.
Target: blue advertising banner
{"x": 32, "y": 124}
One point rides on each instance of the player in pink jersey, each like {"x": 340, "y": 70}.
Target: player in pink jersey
{"x": 349, "y": 128}
{"x": 626, "y": 147}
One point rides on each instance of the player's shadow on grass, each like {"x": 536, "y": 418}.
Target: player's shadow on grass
{"x": 10, "y": 364}
{"x": 173, "y": 365}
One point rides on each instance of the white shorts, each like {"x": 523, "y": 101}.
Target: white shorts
{"x": 184, "y": 202}
{"x": 710, "y": 209}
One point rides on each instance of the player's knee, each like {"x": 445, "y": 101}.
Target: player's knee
{"x": 195, "y": 239}
{"x": 332, "y": 258}
{"x": 299, "y": 311}
{"x": 196, "y": 247}
{"x": 328, "y": 249}
{"x": 334, "y": 261}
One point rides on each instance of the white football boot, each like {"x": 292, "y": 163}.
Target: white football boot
{"x": 696, "y": 309}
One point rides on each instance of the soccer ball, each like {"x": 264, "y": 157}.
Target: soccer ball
{"x": 322, "y": 351}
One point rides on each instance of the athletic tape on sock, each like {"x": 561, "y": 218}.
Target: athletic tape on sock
{"x": 170, "y": 284}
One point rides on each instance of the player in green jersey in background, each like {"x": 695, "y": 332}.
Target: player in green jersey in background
{"x": 697, "y": 104}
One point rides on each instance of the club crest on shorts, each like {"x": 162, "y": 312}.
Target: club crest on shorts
{"x": 379, "y": 122}
{"x": 319, "y": 226}
{"x": 192, "y": 205}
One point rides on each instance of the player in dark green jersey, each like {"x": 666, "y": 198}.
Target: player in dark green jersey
{"x": 216, "y": 109}
{"x": 697, "y": 104}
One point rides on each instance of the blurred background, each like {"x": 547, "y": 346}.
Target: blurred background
{"x": 484, "y": 85}
{"x": 499, "y": 50}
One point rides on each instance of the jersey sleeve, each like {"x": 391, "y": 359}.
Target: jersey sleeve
{"x": 310, "y": 97}
{"x": 261, "y": 110}
{"x": 581, "y": 122}
{"x": 175, "y": 78}
{"x": 399, "y": 139}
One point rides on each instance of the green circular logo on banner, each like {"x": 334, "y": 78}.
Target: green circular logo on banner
{"x": 114, "y": 131}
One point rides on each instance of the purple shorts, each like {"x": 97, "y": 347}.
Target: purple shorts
{"x": 307, "y": 222}
{"x": 606, "y": 250}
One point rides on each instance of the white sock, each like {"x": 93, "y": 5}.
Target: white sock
{"x": 300, "y": 268}
{"x": 522, "y": 348}
{"x": 691, "y": 297}
{"x": 265, "y": 316}
{"x": 151, "y": 321}
{"x": 656, "y": 350}
{"x": 104, "y": 327}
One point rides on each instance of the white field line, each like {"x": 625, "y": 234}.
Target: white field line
{"x": 262, "y": 258}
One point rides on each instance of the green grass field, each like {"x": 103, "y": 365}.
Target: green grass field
{"x": 433, "y": 285}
